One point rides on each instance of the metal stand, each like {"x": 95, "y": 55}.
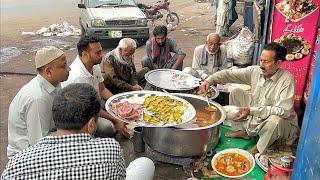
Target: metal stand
{"x": 185, "y": 162}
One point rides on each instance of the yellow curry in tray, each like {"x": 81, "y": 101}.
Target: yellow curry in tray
{"x": 162, "y": 110}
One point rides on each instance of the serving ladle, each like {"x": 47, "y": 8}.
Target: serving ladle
{"x": 210, "y": 108}
{"x": 208, "y": 101}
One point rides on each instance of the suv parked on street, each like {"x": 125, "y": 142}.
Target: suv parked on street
{"x": 113, "y": 19}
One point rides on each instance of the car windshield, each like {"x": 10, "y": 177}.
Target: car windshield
{"x": 105, "y": 3}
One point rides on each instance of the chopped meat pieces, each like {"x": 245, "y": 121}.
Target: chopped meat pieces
{"x": 126, "y": 110}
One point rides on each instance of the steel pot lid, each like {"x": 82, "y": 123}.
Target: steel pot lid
{"x": 171, "y": 79}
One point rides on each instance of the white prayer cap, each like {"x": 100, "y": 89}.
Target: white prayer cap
{"x": 46, "y": 55}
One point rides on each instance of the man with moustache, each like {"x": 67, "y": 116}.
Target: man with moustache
{"x": 119, "y": 71}
{"x": 30, "y": 114}
{"x": 85, "y": 69}
{"x": 159, "y": 50}
{"x": 268, "y": 112}
{"x": 208, "y": 58}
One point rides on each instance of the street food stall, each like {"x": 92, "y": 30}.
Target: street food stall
{"x": 175, "y": 125}
{"x": 199, "y": 147}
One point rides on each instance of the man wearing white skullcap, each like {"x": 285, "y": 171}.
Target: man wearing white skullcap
{"x": 30, "y": 112}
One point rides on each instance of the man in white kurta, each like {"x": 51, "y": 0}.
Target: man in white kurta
{"x": 85, "y": 69}
{"x": 267, "y": 112}
{"x": 208, "y": 58}
{"x": 30, "y": 112}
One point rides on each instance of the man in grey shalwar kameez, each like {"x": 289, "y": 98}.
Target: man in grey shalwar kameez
{"x": 268, "y": 112}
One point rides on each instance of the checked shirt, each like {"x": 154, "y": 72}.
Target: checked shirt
{"x": 75, "y": 156}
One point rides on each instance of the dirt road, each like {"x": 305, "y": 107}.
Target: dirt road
{"x": 195, "y": 24}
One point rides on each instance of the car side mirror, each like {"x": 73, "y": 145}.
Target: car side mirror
{"x": 81, "y": 6}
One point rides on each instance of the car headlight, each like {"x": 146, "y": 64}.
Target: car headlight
{"x": 142, "y": 22}
{"x": 97, "y": 23}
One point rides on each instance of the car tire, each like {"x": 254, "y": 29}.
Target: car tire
{"x": 83, "y": 31}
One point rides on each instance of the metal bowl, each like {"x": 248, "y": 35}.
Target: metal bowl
{"x": 189, "y": 141}
{"x": 214, "y": 92}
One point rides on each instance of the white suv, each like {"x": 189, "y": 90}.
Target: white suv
{"x": 113, "y": 19}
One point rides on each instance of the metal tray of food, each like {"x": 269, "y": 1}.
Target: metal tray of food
{"x": 132, "y": 107}
{"x": 171, "y": 79}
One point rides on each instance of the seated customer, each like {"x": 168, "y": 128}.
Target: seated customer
{"x": 159, "y": 50}
{"x": 118, "y": 69}
{"x": 86, "y": 69}
{"x": 74, "y": 153}
{"x": 30, "y": 115}
{"x": 208, "y": 58}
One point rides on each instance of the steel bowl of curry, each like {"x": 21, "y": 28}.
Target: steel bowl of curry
{"x": 233, "y": 163}
{"x": 195, "y": 138}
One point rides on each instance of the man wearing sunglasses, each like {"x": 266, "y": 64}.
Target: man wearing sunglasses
{"x": 208, "y": 58}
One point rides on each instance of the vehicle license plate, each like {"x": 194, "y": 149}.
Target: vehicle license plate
{"x": 115, "y": 34}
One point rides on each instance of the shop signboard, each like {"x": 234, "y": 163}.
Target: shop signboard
{"x": 294, "y": 26}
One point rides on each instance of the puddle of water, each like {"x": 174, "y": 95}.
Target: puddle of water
{"x": 8, "y": 53}
{"x": 39, "y": 43}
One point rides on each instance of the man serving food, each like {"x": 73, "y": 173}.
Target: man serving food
{"x": 268, "y": 112}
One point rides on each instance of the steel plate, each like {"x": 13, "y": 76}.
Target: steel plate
{"x": 165, "y": 79}
{"x": 138, "y": 97}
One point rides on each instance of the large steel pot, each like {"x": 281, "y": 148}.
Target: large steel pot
{"x": 186, "y": 142}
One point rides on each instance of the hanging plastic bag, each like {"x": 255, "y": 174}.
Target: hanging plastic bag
{"x": 242, "y": 47}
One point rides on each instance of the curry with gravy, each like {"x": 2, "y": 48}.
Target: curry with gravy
{"x": 232, "y": 164}
{"x": 205, "y": 117}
